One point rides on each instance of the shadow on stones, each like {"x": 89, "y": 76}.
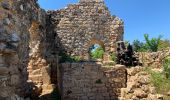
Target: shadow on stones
{"x": 55, "y": 95}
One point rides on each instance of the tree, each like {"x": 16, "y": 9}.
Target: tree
{"x": 137, "y": 45}
{"x": 153, "y": 43}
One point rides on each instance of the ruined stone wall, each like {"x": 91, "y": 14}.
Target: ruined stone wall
{"x": 139, "y": 86}
{"x": 16, "y": 49}
{"x": 30, "y": 40}
{"x": 91, "y": 81}
{"x": 154, "y": 59}
{"x": 81, "y": 25}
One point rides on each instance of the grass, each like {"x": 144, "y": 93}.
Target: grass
{"x": 161, "y": 83}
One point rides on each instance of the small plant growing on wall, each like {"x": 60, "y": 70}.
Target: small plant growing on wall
{"x": 99, "y": 81}
{"x": 67, "y": 58}
{"x": 113, "y": 56}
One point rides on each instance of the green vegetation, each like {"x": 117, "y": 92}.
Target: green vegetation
{"x": 99, "y": 81}
{"x": 153, "y": 44}
{"x": 98, "y": 53}
{"x": 126, "y": 43}
{"x": 113, "y": 56}
{"x": 139, "y": 46}
{"x": 164, "y": 44}
{"x": 161, "y": 83}
{"x": 161, "y": 80}
{"x": 166, "y": 67}
{"x": 67, "y": 58}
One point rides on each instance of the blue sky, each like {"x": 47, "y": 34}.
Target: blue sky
{"x": 139, "y": 16}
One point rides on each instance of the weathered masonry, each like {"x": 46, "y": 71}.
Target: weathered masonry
{"x": 81, "y": 25}
{"x": 90, "y": 81}
{"x": 31, "y": 40}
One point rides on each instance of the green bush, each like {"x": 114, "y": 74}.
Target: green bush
{"x": 153, "y": 43}
{"x": 139, "y": 46}
{"x": 166, "y": 67}
{"x": 161, "y": 83}
{"x": 98, "y": 53}
{"x": 67, "y": 58}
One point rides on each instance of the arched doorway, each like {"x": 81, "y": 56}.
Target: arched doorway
{"x": 96, "y": 50}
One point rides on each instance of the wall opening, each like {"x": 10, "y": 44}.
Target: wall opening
{"x": 96, "y": 52}
{"x": 96, "y": 49}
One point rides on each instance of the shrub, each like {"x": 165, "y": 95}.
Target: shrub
{"x": 98, "y": 53}
{"x": 161, "y": 83}
{"x": 166, "y": 67}
{"x": 139, "y": 46}
{"x": 164, "y": 44}
{"x": 153, "y": 43}
{"x": 67, "y": 58}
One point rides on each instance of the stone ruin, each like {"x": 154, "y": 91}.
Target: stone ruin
{"x": 31, "y": 40}
{"x": 79, "y": 26}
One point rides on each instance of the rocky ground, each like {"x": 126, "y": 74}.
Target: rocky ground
{"x": 139, "y": 86}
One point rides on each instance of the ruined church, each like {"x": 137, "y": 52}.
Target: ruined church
{"x": 32, "y": 39}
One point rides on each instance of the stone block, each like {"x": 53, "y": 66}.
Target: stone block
{"x": 15, "y": 79}
{"x": 36, "y": 78}
{"x": 4, "y": 70}
{"x": 46, "y": 73}
{"x": 5, "y": 92}
{"x": 13, "y": 69}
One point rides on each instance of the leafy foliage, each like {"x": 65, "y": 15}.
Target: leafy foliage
{"x": 67, "y": 58}
{"x": 98, "y": 53}
{"x": 153, "y": 43}
{"x": 139, "y": 46}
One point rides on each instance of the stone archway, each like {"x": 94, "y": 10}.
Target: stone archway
{"x": 93, "y": 42}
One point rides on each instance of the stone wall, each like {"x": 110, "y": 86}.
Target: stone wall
{"x": 18, "y": 45}
{"x": 82, "y": 25}
{"x": 30, "y": 40}
{"x": 139, "y": 86}
{"x": 91, "y": 81}
{"x": 153, "y": 59}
